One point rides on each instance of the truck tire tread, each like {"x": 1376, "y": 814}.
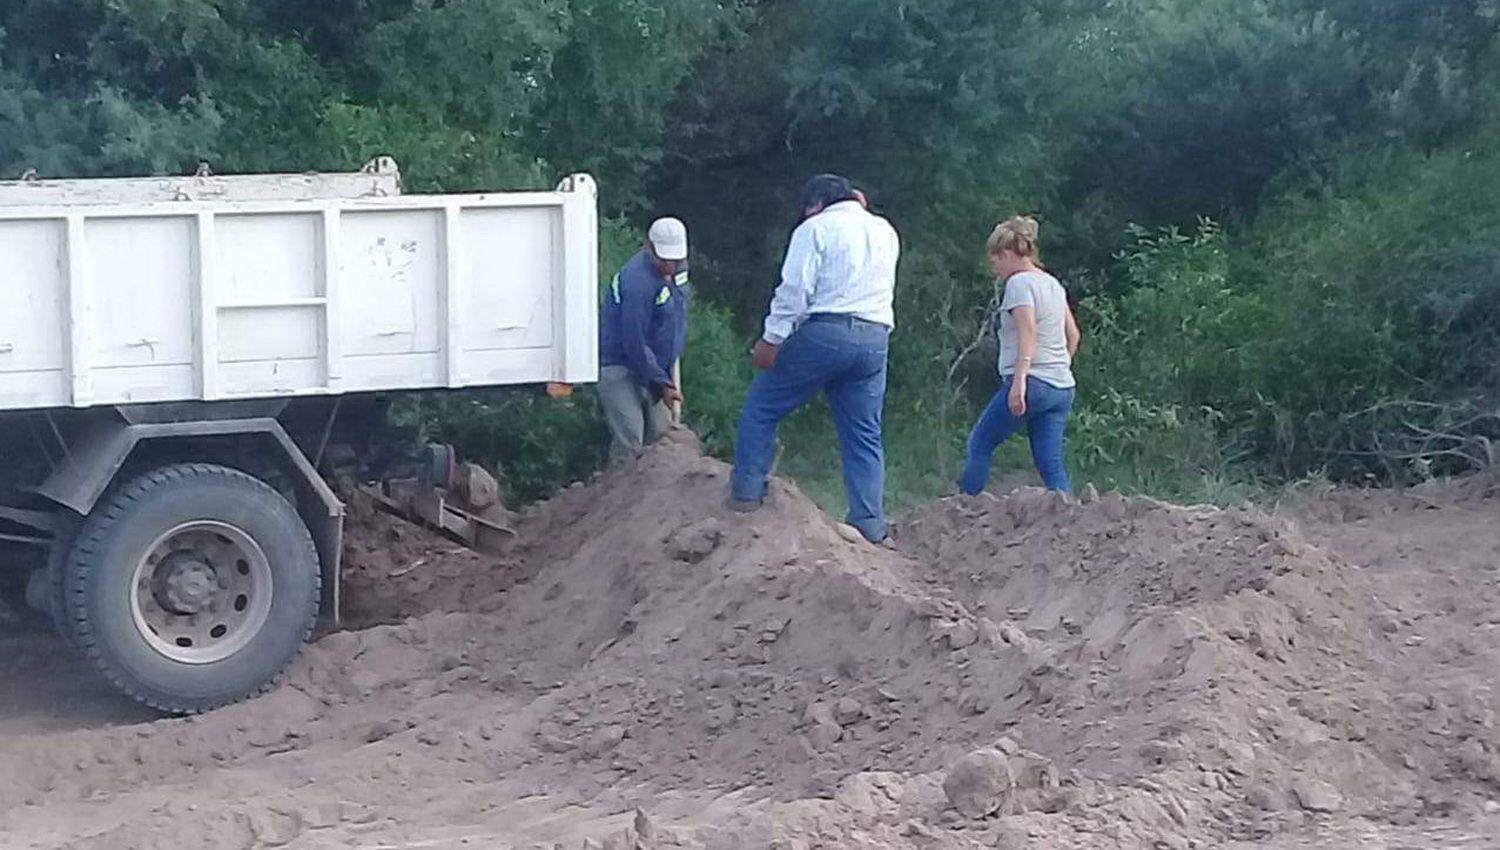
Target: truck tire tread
{"x": 86, "y": 548}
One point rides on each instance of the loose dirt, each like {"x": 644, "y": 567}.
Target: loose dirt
{"x": 646, "y": 669}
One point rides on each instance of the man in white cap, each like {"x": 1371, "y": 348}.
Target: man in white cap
{"x": 642, "y": 331}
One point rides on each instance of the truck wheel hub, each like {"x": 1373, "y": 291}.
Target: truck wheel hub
{"x": 189, "y": 586}
{"x": 202, "y": 592}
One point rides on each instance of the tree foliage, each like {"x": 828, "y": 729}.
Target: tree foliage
{"x": 1276, "y": 215}
{"x": 466, "y": 93}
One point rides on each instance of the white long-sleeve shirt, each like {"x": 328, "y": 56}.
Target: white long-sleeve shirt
{"x": 840, "y": 261}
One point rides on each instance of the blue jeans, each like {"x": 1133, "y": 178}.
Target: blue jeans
{"x": 846, "y": 358}
{"x": 1046, "y": 419}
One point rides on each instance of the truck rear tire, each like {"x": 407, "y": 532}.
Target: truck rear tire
{"x": 56, "y": 581}
{"x": 192, "y": 586}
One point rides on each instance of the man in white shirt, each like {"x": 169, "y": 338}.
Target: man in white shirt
{"x": 829, "y": 328}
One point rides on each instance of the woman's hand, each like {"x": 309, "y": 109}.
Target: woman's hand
{"x": 1017, "y": 398}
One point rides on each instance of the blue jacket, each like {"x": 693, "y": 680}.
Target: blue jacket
{"x": 643, "y": 322}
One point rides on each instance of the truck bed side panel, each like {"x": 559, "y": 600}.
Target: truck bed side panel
{"x": 210, "y": 301}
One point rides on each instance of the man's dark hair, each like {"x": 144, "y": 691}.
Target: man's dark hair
{"x": 826, "y": 189}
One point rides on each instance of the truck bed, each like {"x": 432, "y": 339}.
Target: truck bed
{"x": 380, "y": 177}
{"x": 191, "y": 300}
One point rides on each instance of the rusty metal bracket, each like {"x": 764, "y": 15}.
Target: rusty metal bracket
{"x": 469, "y": 513}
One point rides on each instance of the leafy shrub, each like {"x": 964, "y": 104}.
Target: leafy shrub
{"x": 1121, "y": 442}
{"x": 538, "y": 444}
{"x": 1384, "y": 315}
{"x": 1354, "y": 332}
{"x": 715, "y": 373}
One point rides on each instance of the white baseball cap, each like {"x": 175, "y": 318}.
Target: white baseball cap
{"x": 668, "y": 238}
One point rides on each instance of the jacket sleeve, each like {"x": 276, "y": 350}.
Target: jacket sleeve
{"x": 799, "y": 273}
{"x": 636, "y": 305}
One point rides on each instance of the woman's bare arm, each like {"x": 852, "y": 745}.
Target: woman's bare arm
{"x": 1070, "y": 330}
{"x": 1025, "y": 340}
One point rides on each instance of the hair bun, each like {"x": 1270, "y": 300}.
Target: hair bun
{"x": 1018, "y": 233}
{"x": 1025, "y": 227}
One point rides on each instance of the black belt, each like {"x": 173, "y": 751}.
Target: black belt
{"x": 842, "y": 317}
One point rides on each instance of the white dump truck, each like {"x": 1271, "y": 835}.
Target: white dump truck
{"x": 176, "y": 355}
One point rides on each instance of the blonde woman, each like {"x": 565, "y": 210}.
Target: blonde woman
{"x": 1038, "y": 338}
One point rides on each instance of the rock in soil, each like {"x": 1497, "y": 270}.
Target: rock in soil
{"x": 980, "y": 784}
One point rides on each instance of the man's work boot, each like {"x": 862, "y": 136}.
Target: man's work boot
{"x": 850, "y": 534}
{"x": 745, "y": 506}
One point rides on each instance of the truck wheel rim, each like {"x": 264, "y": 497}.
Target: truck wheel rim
{"x": 201, "y": 592}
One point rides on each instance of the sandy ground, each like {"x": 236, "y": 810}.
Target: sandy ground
{"x": 649, "y": 670}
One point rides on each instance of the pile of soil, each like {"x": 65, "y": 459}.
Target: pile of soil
{"x": 393, "y": 569}
{"x": 648, "y": 669}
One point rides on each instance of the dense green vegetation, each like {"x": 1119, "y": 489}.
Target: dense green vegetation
{"x": 1278, "y": 217}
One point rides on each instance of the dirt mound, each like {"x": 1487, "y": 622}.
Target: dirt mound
{"x": 393, "y": 570}
{"x": 1253, "y": 679}
{"x": 1024, "y": 671}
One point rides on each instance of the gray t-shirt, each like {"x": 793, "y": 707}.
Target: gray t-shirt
{"x": 1040, "y": 291}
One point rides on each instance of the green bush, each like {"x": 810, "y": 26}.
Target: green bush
{"x": 538, "y": 444}
{"x": 1164, "y": 355}
{"x": 1353, "y": 332}
{"x": 1121, "y": 442}
{"x": 715, "y": 373}
{"x": 1384, "y": 318}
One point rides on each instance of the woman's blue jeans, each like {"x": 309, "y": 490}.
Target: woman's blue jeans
{"x": 1046, "y": 420}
